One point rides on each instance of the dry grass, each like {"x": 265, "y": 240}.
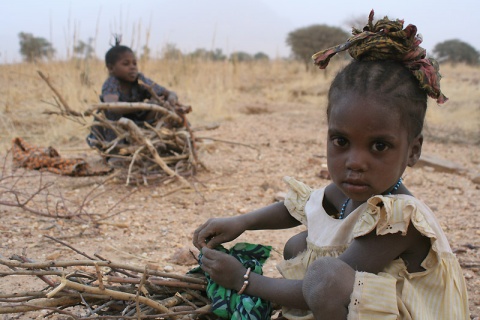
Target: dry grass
{"x": 217, "y": 91}
{"x": 461, "y": 84}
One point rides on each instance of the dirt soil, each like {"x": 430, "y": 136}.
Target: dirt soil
{"x": 154, "y": 225}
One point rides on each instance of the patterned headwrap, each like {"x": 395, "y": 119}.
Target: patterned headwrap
{"x": 387, "y": 40}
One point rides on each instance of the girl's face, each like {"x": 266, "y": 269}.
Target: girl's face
{"x": 125, "y": 68}
{"x": 368, "y": 147}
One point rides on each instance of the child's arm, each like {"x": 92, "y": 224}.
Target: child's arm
{"x": 228, "y": 272}
{"x": 170, "y": 96}
{"x": 328, "y": 278}
{"x": 219, "y": 230}
{"x": 372, "y": 252}
{"x": 110, "y": 98}
{"x": 110, "y": 94}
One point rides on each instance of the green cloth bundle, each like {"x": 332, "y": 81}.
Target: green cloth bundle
{"x": 227, "y": 303}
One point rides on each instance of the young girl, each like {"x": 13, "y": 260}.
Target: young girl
{"x": 124, "y": 84}
{"x": 372, "y": 250}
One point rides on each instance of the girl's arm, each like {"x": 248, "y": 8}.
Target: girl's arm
{"x": 110, "y": 98}
{"x": 329, "y": 282}
{"x": 170, "y": 96}
{"x": 228, "y": 272}
{"x": 110, "y": 93}
{"x": 372, "y": 252}
{"x": 219, "y": 230}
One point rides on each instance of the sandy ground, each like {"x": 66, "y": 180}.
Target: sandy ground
{"x": 158, "y": 223}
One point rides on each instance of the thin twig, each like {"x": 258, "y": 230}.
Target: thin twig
{"x": 111, "y": 264}
{"x": 69, "y": 246}
{"x": 59, "y": 96}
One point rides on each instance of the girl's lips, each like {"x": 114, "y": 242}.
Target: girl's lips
{"x": 355, "y": 186}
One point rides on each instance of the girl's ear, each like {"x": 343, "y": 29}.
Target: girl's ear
{"x": 415, "y": 150}
{"x": 110, "y": 67}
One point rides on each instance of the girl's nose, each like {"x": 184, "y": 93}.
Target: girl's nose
{"x": 356, "y": 161}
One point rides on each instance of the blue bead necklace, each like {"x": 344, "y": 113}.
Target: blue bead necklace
{"x": 344, "y": 206}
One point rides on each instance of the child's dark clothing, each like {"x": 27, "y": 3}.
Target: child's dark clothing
{"x": 138, "y": 93}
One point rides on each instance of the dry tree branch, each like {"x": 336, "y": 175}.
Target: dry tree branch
{"x": 39, "y": 304}
{"x": 152, "y": 295}
{"x": 34, "y": 194}
{"x": 69, "y": 246}
{"x": 136, "y": 143}
{"x": 231, "y": 142}
{"x": 101, "y": 263}
{"x": 59, "y": 96}
{"x": 128, "y": 106}
{"x": 137, "y": 135}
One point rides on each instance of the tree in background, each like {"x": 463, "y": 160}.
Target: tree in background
{"x": 145, "y": 56}
{"x": 171, "y": 52}
{"x": 35, "y": 48}
{"x": 213, "y": 55}
{"x": 260, "y": 56}
{"x": 456, "y": 51}
{"x": 84, "y": 49}
{"x": 304, "y": 42}
{"x": 83, "y": 52}
{"x": 240, "y": 56}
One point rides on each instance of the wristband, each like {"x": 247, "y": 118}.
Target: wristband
{"x": 245, "y": 283}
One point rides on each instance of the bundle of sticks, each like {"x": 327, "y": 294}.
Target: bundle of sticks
{"x": 160, "y": 150}
{"x": 98, "y": 288}
{"x": 143, "y": 152}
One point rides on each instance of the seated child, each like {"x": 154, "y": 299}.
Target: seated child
{"x": 123, "y": 85}
{"x": 371, "y": 250}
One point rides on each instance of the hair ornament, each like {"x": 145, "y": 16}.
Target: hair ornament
{"x": 117, "y": 38}
{"x": 388, "y": 40}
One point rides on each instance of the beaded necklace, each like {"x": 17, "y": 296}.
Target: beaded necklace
{"x": 344, "y": 206}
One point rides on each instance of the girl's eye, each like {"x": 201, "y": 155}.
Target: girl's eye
{"x": 380, "y": 146}
{"x": 339, "y": 142}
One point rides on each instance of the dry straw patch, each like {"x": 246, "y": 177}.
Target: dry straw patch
{"x": 461, "y": 114}
{"x": 217, "y": 91}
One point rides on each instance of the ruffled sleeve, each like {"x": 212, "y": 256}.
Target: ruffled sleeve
{"x": 297, "y": 196}
{"x": 391, "y": 215}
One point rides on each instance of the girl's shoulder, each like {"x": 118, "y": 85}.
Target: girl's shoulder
{"x": 110, "y": 83}
{"x": 393, "y": 214}
{"x": 299, "y": 194}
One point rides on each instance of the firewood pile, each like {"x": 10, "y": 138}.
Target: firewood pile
{"x": 97, "y": 288}
{"x": 148, "y": 152}
{"x": 140, "y": 153}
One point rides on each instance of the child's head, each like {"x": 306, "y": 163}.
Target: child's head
{"x": 373, "y": 130}
{"x": 121, "y": 62}
{"x": 376, "y": 107}
{"x": 388, "y": 82}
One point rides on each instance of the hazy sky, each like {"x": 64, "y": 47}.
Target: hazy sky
{"x": 231, "y": 25}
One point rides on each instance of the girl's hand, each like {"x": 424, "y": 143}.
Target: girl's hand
{"x": 172, "y": 98}
{"x": 217, "y": 231}
{"x": 223, "y": 269}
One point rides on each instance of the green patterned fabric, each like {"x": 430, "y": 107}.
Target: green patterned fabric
{"x": 227, "y": 303}
{"x": 387, "y": 40}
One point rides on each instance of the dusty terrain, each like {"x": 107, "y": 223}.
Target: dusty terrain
{"x": 278, "y": 141}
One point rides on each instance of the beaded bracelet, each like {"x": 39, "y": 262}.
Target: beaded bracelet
{"x": 245, "y": 283}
